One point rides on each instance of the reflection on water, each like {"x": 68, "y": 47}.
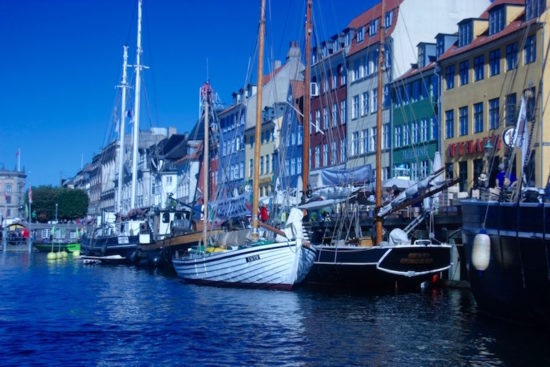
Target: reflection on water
{"x": 65, "y": 311}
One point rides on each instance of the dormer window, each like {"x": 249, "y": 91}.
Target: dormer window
{"x": 465, "y": 34}
{"x": 496, "y": 20}
{"x": 374, "y": 27}
{"x": 347, "y": 39}
{"x": 360, "y": 34}
{"x": 534, "y": 8}
{"x": 440, "y": 46}
{"x": 388, "y": 19}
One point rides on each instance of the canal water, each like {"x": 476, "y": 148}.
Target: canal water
{"x": 65, "y": 312}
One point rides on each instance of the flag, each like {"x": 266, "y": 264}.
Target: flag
{"x": 521, "y": 133}
{"x": 30, "y": 194}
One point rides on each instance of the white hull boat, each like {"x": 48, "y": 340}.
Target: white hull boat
{"x": 279, "y": 265}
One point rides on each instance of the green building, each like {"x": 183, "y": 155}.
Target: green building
{"x": 415, "y": 116}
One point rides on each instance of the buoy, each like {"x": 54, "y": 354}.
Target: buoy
{"x": 481, "y": 252}
{"x": 51, "y": 256}
{"x": 63, "y": 254}
{"x": 76, "y": 253}
{"x": 58, "y": 255}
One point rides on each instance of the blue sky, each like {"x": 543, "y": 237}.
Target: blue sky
{"x": 61, "y": 60}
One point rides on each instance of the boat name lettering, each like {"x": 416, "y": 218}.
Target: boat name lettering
{"x": 417, "y": 258}
{"x": 252, "y": 258}
{"x": 123, "y": 240}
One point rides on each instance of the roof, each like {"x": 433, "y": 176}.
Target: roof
{"x": 364, "y": 20}
{"x": 268, "y": 77}
{"x": 415, "y": 70}
{"x": 517, "y": 25}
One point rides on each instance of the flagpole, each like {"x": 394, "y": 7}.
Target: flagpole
{"x": 30, "y": 217}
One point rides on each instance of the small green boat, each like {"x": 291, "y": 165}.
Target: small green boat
{"x": 47, "y": 247}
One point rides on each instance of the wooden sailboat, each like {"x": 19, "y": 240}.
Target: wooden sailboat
{"x": 111, "y": 237}
{"x": 384, "y": 265}
{"x": 258, "y": 263}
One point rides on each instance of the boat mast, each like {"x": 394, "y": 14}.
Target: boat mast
{"x": 124, "y": 87}
{"x": 136, "y": 111}
{"x": 379, "y": 230}
{"x": 305, "y": 146}
{"x": 256, "y": 187}
{"x": 205, "y": 92}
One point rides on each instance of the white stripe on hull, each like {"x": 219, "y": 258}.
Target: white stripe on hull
{"x": 278, "y": 264}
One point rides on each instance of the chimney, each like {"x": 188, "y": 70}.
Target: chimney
{"x": 293, "y": 50}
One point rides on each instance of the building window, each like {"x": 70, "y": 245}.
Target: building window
{"x": 434, "y": 128}
{"x": 374, "y": 100}
{"x": 334, "y": 114}
{"x": 494, "y": 62}
{"x": 8, "y": 188}
{"x": 510, "y": 109}
{"x": 251, "y": 168}
{"x": 389, "y": 19}
{"x": 355, "y": 71}
{"x": 343, "y": 148}
{"x": 374, "y": 27}
{"x": 325, "y": 118}
{"x": 333, "y": 153}
{"x": 424, "y": 168}
{"x": 415, "y": 90}
{"x": 343, "y": 113}
{"x": 317, "y": 156}
{"x": 360, "y": 34}
{"x": 386, "y": 136}
{"x": 355, "y": 143}
{"x": 530, "y": 50}
{"x": 334, "y": 82}
{"x": 479, "y": 65}
{"x": 261, "y": 165}
{"x": 355, "y": 107}
{"x": 493, "y": 114}
{"x": 424, "y": 130}
{"x": 478, "y": 117}
{"x": 373, "y": 137}
{"x": 465, "y": 34}
{"x": 365, "y": 104}
{"x": 450, "y": 76}
{"x": 406, "y": 135}
{"x": 496, "y": 21}
{"x": 512, "y": 56}
{"x": 317, "y": 121}
{"x": 397, "y": 136}
{"x": 325, "y": 155}
{"x": 365, "y": 141}
{"x": 534, "y": 8}
{"x": 415, "y": 133}
{"x": 449, "y": 124}
{"x": 464, "y": 70}
{"x": 267, "y": 163}
{"x": 298, "y": 165}
{"x": 463, "y": 121}
{"x": 342, "y": 76}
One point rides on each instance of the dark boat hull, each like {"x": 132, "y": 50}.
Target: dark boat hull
{"x": 125, "y": 246}
{"x": 516, "y": 284}
{"x": 401, "y": 267}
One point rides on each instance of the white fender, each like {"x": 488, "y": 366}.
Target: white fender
{"x": 481, "y": 252}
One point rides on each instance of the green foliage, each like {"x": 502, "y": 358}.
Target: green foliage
{"x": 71, "y": 203}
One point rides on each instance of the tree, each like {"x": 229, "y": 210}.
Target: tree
{"x": 71, "y": 203}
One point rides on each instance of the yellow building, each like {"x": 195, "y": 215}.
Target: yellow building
{"x": 497, "y": 60}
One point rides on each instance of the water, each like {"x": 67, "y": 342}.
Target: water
{"x": 75, "y": 314}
